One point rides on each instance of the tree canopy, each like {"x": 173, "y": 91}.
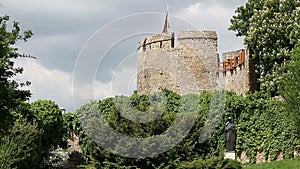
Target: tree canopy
{"x": 290, "y": 83}
{"x": 11, "y": 95}
{"x": 271, "y": 29}
{"x": 28, "y": 132}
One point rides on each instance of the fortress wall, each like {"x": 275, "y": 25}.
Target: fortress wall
{"x": 154, "y": 63}
{"x": 194, "y": 69}
{"x": 203, "y": 43}
{"x": 182, "y": 69}
{"x": 236, "y": 77}
{"x": 191, "y": 66}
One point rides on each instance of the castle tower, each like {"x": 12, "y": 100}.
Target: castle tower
{"x": 184, "y": 65}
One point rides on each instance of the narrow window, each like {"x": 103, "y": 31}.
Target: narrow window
{"x": 173, "y": 41}
{"x": 144, "y": 44}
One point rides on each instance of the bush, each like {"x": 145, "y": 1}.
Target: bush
{"x": 212, "y": 163}
{"x": 19, "y": 148}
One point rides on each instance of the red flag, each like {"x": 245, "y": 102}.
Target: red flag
{"x": 165, "y": 30}
{"x": 166, "y": 24}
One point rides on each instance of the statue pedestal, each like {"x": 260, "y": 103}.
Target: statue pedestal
{"x": 230, "y": 155}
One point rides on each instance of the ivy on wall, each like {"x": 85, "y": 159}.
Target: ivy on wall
{"x": 262, "y": 125}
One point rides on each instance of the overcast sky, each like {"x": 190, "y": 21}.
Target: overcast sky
{"x": 87, "y": 49}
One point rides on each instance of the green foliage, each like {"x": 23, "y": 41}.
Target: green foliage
{"x": 212, "y": 163}
{"x": 290, "y": 164}
{"x": 37, "y": 129}
{"x": 27, "y": 132}
{"x": 262, "y": 125}
{"x": 102, "y": 158}
{"x": 71, "y": 124}
{"x": 10, "y": 93}
{"x": 19, "y": 148}
{"x": 271, "y": 30}
{"x": 289, "y": 86}
{"x": 265, "y": 126}
{"x": 49, "y": 118}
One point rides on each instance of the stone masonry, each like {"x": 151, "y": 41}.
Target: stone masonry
{"x": 190, "y": 64}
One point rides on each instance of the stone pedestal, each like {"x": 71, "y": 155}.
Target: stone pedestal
{"x": 230, "y": 155}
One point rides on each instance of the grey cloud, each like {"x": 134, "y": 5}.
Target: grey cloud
{"x": 79, "y": 18}
{"x": 63, "y": 27}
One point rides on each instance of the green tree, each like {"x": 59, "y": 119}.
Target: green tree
{"x": 10, "y": 93}
{"x": 50, "y": 121}
{"x": 37, "y": 130}
{"x": 18, "y": 149}
{"x": 289, "y": 86}
{"x": 271, "y": 31}
{"x": 27, "y": 131}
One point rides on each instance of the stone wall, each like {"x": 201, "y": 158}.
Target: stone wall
{"x": 185, "y": 68}
{"x": 190, "y": 64}
{"x": 261, "y": 158}
{"x": 233, "y": 72}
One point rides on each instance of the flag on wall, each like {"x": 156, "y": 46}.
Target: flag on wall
{"x": 166, "y": 24}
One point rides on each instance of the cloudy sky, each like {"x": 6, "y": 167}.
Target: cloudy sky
{"x": 87, "y": 49}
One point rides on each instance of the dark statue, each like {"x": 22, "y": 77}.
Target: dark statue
{"x": 230, "y": 135}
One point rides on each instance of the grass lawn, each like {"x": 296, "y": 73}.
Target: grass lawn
{"x": 284, "y": 164}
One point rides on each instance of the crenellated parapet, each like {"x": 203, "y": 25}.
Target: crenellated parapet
{"x": 157, "y": 41}
{"x": 184, "y": 35}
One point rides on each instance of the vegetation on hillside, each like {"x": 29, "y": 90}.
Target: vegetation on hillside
{"x": 262, "y": 124}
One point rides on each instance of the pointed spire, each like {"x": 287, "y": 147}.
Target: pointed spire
{"x": 166, "y": 24}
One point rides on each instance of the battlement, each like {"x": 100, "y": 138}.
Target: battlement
{"x": 157, "y": 41}
{"x": 197, "y": 35}
{"x": 166, "y": 41}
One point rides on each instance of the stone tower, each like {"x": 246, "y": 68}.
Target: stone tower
{"x": 185, "y": 64}
{"x": 190, "y": 64}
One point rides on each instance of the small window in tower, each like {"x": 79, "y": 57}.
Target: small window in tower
{"x": 161, "y": 72}
{"x": 145, "y": 76}
{"x": 144, "y": 44}
{"x": 160, "y": 45}
{"x": 173, "y": 41}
